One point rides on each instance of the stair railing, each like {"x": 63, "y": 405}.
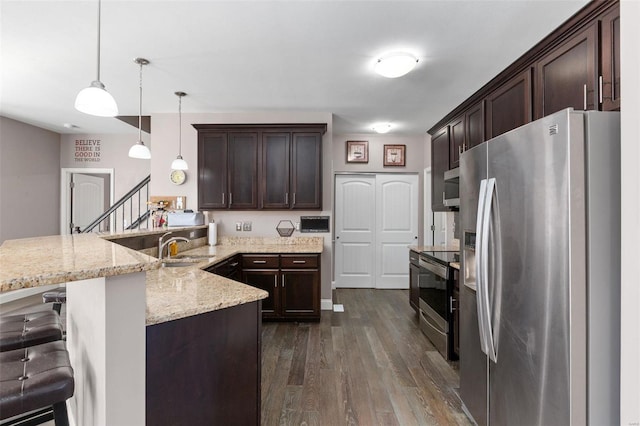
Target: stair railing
{"x": 115, "y": 217}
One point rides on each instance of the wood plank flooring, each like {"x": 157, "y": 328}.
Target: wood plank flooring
{"x": 369, "y": 365}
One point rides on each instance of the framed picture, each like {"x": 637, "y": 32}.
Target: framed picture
{"x": 357, "y": 151}
{"x": 394, "y": 155}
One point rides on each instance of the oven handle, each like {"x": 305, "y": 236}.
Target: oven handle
{"x": 427, "y": 320}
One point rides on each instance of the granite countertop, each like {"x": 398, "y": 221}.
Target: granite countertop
{"x": 455, "y": 265}
{"x": 33, "y": 262}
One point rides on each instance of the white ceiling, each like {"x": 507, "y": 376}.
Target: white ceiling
{"x": 236, "y": 56}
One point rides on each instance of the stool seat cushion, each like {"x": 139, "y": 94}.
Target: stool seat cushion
{"x": 55, "y": 296}
{"x": 22, "y": 330}
{"x": 34, "y": 377}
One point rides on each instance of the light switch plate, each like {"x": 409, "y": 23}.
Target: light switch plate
{"x": 246, "y": 226}
{"x": 238, "y": 226}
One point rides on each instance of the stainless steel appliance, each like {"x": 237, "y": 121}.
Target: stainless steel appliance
{"x": 451, "y": 194}
{"x": 436, "y": 302}
{"x": 540, "y": 210}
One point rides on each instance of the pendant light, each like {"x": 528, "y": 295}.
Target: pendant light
{"x": 179, "y": 163}
{"x": 140, "y": 150}
{"x": 95, "y": 100}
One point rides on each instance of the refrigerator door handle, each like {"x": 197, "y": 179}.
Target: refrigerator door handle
{"x": 486, "y": 220}
{"x": 479, "y": 264}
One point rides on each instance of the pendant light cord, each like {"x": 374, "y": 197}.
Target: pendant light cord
{"x": 140, "y": 110}
{"x": 99, "y": 8}
{"x": 180, "y": 126}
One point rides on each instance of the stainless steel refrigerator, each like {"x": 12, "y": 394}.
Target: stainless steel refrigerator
{"x": 540, "y": 322}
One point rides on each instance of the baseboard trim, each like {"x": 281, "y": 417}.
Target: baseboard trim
{"x": 326, "y": 304}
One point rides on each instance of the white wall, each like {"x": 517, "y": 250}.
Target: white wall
{"x": 114, "y": 154}
{"x": 29, "y": 181}
{"x": 164, "y": 130}
{"x": 630, "y": 314}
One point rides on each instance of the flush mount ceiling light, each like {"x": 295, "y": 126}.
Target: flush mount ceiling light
{"x": 382, "y": 127}
{"x": 140, "y": 150}
{"x": 396, "y": 64}
{"x": 179, "y": 163}
{"x": 95, "y": 100}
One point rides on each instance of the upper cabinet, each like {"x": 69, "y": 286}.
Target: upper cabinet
{"x": 260, "y": 166}
{"x": 610, "y": 51}
{"x": 577, "y": 65}
{"x": 567, "y": 76}
{"x": 509, "y": 106}
{"x": 439, "y": 164}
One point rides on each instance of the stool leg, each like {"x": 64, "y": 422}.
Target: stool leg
{"x": 60, "y": 414}
{"x": 57, "y": 306}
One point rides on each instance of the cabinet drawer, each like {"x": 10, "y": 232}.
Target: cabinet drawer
{"x": 297, "y": 261}
{"x": 260, "y": 261}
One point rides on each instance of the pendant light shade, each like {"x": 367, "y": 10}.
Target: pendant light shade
{"x": 95, "y": 100}
{"x": 179, "y": 163}
{"x": 396, "y": 64}
{"x": 140, "y": 150}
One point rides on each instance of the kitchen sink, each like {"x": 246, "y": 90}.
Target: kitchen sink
{"x": 177, "y": 264}
{"x": 193, "y": 256}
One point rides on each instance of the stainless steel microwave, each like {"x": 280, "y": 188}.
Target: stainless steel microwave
{"x": 451, "y": 194}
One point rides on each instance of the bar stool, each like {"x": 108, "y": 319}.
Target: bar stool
{"x": 36, "y": 378}
{"x": 29, "y": 329}
{"x": 57, "y": 297}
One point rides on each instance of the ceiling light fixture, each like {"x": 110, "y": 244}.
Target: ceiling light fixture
{"x": 95, "y": 100}
{"x": 382, "y": 127}
{"x": 179, "y": 163}
{"x": 140, "y": 150}
{"x": 396, "y": 64}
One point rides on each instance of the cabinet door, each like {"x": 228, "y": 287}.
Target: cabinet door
{"x": 610, "y": 90}
{"x": 457, "y": 143}
{"x": 266, "y": 280}
{"x": 212, "y": 171}
{"x": 243, "y": 170}
{"x": 439, "y": 165}
{"x": 509, "y": 106}
{"x": 306, "y": 172}
{"x": 456, "y": 314}
{"x": 566, "y": 76}
{"x": 274, "y": 176}
{"x": 414, "y": 285}
{"x": 301, "y": 293}
{"x": 474, "y": 122}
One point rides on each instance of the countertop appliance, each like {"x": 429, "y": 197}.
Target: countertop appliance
{"x": 540, "y": 209}
{"x": 451, "y": 194}
{"x": 436, "y": 299}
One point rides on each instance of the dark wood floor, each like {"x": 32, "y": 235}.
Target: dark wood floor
{"x": 370, "y": 365}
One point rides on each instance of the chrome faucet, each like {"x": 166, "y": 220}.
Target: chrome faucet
{"x": 162, "y": 244}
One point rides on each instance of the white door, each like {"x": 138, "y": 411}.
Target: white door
{"x": 87, "y": 199}
{"x": 354, "y": 232}
{"x": 376, "y": 219}
{"x": 396, "y": 228}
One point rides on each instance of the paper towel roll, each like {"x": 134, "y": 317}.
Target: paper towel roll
{"x": 213, "y": 234}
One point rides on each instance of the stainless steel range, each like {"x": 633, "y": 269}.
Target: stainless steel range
{"x": 436, "y": 299}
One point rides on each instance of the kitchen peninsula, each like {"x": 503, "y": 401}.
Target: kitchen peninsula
{"x": 120, "y": 302}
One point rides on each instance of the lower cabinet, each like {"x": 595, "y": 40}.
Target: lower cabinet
{"x": 292, "y": 281}
{"x": 229, "y": 268}
{"x": 455, "y": 308}
{"x": 414, "y": 281}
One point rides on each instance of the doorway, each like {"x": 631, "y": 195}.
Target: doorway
{"x": 376, "y": 219}
{"x": 84, "y": 195}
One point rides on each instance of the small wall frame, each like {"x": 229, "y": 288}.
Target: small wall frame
{"x": 394, "y": 155}
{"x": 357, "y": 151}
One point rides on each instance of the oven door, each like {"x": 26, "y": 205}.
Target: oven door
{"x": 434, "y": 317}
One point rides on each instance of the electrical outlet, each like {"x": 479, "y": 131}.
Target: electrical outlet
{"x": 296, "y": 225}
{"x": 246, "y": 226}
{"x": 238, "y": 226}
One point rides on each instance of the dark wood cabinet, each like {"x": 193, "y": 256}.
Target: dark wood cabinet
{"x": 306, "y": 171}
{"x": 205, "y": 369}
{"x": 509, "y": 106}
{"x": 292, "y": 281}
{"x": 474, "y": 126}
{"x": 212, "y": 169}
{"x": 610, "y": 51}
{"x": 414, "y": 281}
{"x": 567, "y": 76}
{"x": 229, "y": 268}
{"x": 260, "y": 166}
{"x": 457, "y": 142}
{"x": 276, "y": 148}
{"x": 439, "y": 164}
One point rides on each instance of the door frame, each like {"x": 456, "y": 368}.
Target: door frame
{"x": 65, "y": 179}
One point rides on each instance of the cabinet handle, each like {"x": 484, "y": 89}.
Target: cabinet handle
{"x": 300, "y": 261}
{"x": 223, "y": 198}
{"x": 286, "y": 198}
{"x": 283, "y": 281}
{"x": 259, "y": 262}
{"x": 231, "y": 195}
{"x": 460, "y": 149}
{"x": 233, "y": 265}
{"x": 584, "y": 92}
{"x": 451, "y": 301}
{"x": 294, "y": 198}
{"x": 600, "y": 89}
{"x": 275, "y": 281}
{"x": 443, "y": 197}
